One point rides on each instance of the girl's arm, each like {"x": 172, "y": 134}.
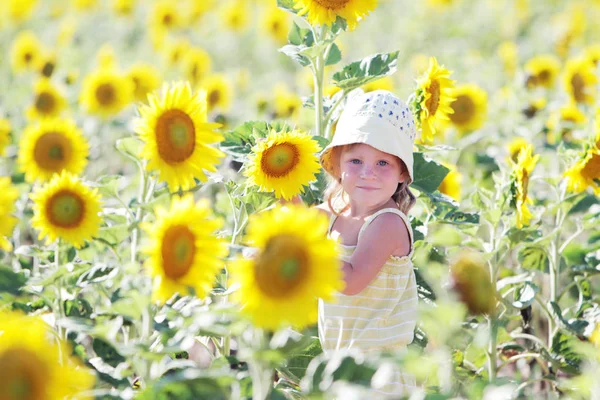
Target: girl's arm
{"x": 385, "y": 235}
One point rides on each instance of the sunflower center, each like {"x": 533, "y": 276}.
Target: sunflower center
{"x": 44, "y": 103}
{"x": 178, "y": 251}
{"x": 332, "y": 4}
{"x": 213, "y": 98}
{"x": 282, "y": 266}
{"x": 23, "y": 375}
{"x": 106, "y": 94}
{"x": 544, "y": 76}
{"x": 27, "y": 57}
{"x": 578, "y": 85}
{"x": 464, "y": 109}
{"x": 167, "y": 19}
{"x": 279, "y": 160}
{"x": 52, "y": 151}
{"x": 65, "y": 209}
{"x": 175, "y": 136}
{"x": 433, "y": 101}
{"x": 592, "y": 168}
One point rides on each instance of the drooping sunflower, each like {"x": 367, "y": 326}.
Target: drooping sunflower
{"x": 234, "y": 15}
{"x": 218, "y": 91}
{"x": 66, "y": 208}
{"x": 8, "y": 197}
{"x": 184, "y": 253}
{"x": 451, "y": 185}
{"x": 433, "y": 97}
{"x": 5, "y": 129}
{"x": 145, "y": 79}
{"x": 521, "y": 171}
{"x": 196, "y": 65}
{"x": 284, "y": 162}
{"x": 542, "y": 70}
{"x": 287, "y": 102}
{"x": 586, "y": 171}
{"x": 469, "y": 108}
{"x": 34, "y": 366}
{"x": 47, "y": 64}
{"x": 276, "y": 23}
{"x": 50, "y": 147}
{"x": 48, "y": 101}
{"x": 471, "y": 281}
{"x": 26, "y": 52}
{"x": 580, "y": 80}
{"x": 515, "y": 147}
{"x": 105, "y": 93}
{"x": 177, "y": 135}
{"x": 325, "y": 12}
{"x": 296, "y": 264}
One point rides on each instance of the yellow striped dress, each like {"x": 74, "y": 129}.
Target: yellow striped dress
{"x": 381, "y": 317}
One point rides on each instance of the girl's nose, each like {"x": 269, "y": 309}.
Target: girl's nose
{"x": 367, "y": 172}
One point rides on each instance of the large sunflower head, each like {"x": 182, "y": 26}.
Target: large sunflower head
{"x": 585, "y": 172}
{"x": 521, "y": 171}
{"x": 218, "y": 91}
{"x": 5, "y": 129}
{"x": 50, "y": 147}
{"x": 196, "y": 65}
{"x": 26, "y": 52}
{"x": 296, "y": 265}
{"x": 177, "y": 136}
{"x": 105, "y": 93}
{"x": 145, "y": 79}
{"x": 184, "y": 253}
{"x": 34, "y": 365}
{"x": 542, "y": 70}
{"x": 283, "y": 163}
{"x": 48, "y": 101}
{"x": 8, "y": 197}
{"x": 469, "y": 108}
{"x": 580, "y": 80}
{"x": 66, "y": 208}
{"x": 325, "y": 12}
{"x": 432, "y": 99}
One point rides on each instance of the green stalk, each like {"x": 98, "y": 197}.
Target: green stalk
{"x": 139, "y": 215}
{"x": 59, "y": 284}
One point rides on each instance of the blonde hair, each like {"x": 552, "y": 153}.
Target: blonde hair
{"x": 403, "y": 197}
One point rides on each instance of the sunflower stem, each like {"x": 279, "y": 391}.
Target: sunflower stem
{"x": 318, "y": 79}
{"x": 59, "y": 284}
{"x": 329, "y": 116}
{"x": 555, "y": 267}
{"x": 139, "y": 214}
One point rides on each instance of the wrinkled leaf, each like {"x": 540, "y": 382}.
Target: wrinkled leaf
{"x": 366, "y": 70}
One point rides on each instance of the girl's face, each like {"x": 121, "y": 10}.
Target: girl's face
{"x": 369, "y": 176}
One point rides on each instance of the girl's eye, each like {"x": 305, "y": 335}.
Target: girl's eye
{"x": 382, "y": 163}
{"x": 355, "y": 161}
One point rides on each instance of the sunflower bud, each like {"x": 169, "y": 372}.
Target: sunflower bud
{"x": 471, "y": 281}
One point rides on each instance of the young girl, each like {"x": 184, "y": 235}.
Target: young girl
{"x": 370, "y": 160}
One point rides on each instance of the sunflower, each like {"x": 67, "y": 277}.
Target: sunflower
{"x": 34, "y": 366}
{"x": 47, "y": 64}
{"x": 51, "y": 147}
{"x": 124, "y": 7}
{"x": 48, "y": 101}
{"x": 586, "y": 171}
{"x": 515, "y": 147}
{"x": 580, "y": 80}
{"x": 175, "y": 50}
{"x": 521, "y": 170}
{"x": 184, "y": 253}
{"x": 106, "y": 58}
{"x": 509, "y": 54}
{"x": 5, "y": 129}
{"x": 542, "y": 70}
{"x": 287, "y": 102}
{"x": 105, "y": 93}
{"x": 198, "y": 8}
{"x": 165, "y": 16}
{"x": 562, "y": 122}
{"x": 469, "y": 108}
{"x": 8, "y": 197}
{"x": 296, "y": 265}
{"x": 85, "y": 5}
{"x": 218, "y": 91}
{"x": 65, "y": 208}
{"x": 234, "y": 15}
{"x": 177, "y": 135}
{"x": 534, "y": 106}
{"x": 21, "y": 10}
{"x": 451, "y": 185}
{"x": 471, "y": 281}
{"x": 325, "y": 12}
{"x": 196, "y": 65}
{"x": 592, "y": 53}
{"x": 433, "y": 98}
{"x": 26, "y": 52}
{"x": 283, "y": 162}
{"x": 276, "y": 24}
{"x": 145, "y": 79}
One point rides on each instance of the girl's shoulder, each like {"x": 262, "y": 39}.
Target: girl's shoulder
{"x": 324, "y": 208}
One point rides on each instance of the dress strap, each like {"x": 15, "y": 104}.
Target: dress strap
{"x": 394, "y": 211}
{"x": 332, "y": 219}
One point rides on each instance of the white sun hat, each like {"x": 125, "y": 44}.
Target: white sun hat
{"x": 379, "y": 119}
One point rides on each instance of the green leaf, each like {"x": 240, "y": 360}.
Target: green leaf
{"x": 324, "y": 370}
{"x": 79, "y": 308}
{"x": 239, "y": 142}
{"x": 334, "y": 56}
{"x": 583, "y": 204}
{"x": 366, "y": 70}
{"x": 296, "y": 53}
{"x": 525, "y": 295}
{"x": 576, "y": 326}
{"x": 526, "y": 234}
{"x": 424, "y": 290}
{"x": 575, "y": 253}
{"x": 298, "y": 361}
{"x": 130, "y": 147}
{"x": 108, "y": 185}
{"x": 300, "y": 36}
{"x": 339, "y": 25}
{"x": 113, "y": 235}
{"x": 563, "y": 353}
{"x": 10, "y": 281}
{"x": 534, "y": 257}
{"x": 428, "y": 173}
{"x": 287, "y": 5}
{"x": 107, "y": 352}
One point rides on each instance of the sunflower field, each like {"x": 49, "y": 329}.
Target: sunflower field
{"x": 159, "y": 161}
